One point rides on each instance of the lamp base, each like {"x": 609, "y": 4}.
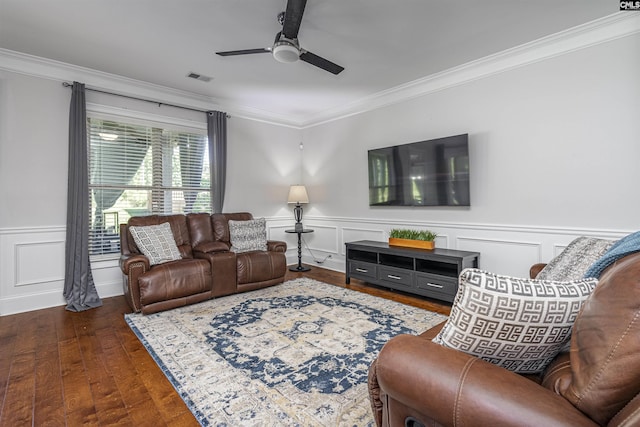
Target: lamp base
{"x": 299, "y": 268}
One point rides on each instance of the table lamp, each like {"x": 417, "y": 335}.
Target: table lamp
{"x": 298, "y": 195}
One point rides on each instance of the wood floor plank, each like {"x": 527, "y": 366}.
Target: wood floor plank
{"x": 49, "y": 400}
{"x": 59, "y": 368}
{"x": 107, "y": 399}
{"x": 140, "y": 406}
{"x": 18, "y": 405}
{"x": 80, "y": 409}
{"x": 8, "y": 338}
{"x": 49, "y": 407}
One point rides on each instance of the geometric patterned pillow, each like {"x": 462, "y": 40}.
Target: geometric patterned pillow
{"x": 156, "y": 242}
{"x": 519, "y": 324}
{"x": 250, "y": 235}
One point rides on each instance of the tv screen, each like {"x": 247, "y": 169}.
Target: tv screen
{"x": 425, "y": 173}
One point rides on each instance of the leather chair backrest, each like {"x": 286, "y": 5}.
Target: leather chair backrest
{"x": 179, "y": 229}
{"x": 200, "y": 229}
{"x": 220, "y": 224}
{"x": 605, "y": 348}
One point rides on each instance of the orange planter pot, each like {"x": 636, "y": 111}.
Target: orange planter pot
{"x": 407, "y": 243}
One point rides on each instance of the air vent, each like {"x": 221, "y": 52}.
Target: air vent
{"x": 200, "y": 77}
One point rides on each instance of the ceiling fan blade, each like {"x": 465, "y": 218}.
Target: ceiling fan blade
{"x": 320, "y": 62}
{"x": 292, "y": 18}
{"x": 244, "y": 52}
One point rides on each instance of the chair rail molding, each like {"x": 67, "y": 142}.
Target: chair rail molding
{"x": 32, "y": 258}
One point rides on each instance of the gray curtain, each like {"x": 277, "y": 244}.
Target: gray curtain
{"x": 217, "y": 134}
{"x": 79, "y": 288}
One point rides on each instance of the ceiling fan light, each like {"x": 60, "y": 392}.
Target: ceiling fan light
{"x": 285, "y": 52}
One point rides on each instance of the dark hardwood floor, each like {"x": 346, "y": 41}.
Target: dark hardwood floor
{"x": 59, "y": 368}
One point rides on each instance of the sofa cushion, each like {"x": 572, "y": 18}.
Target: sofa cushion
{"x": 173, "y": 280}
{"x": 156, "y": 242}
{"x": 260, "y": 266}
{"x": 605, "y": 345}
{"x": 574, "y": 261}
{"x": 519, "y": 324}
{"x": 250, "y": 235}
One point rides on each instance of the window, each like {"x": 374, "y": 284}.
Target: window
{"x": 141, "y": 169}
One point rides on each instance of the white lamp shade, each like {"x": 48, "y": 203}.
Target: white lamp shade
{"x": 298, "y": 194}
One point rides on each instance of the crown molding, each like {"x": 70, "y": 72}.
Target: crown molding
{"x": 612, "y": 27}
{"x": 50, "y": 69}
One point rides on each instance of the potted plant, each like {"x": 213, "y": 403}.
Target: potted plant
{"x": 423, "y": 239}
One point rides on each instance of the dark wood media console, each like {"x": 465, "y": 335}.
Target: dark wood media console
{"x": 431, "y": 273}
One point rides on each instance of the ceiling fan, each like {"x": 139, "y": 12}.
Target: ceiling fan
{"x": 286, "y": 47}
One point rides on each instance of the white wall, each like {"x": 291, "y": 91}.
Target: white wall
{"x": 555, "y": 143}
{"x": 554, "y": 149}
{"x": 554, "y": 152}
{"x": 34, "y": 113}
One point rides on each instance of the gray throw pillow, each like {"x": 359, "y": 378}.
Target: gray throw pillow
{"x": 519, "y": 324}
{"x": 574, "y": 261}
{"x": 156, "y": 242}
{"x": 250, "y": 235}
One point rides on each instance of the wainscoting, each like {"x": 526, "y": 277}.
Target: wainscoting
{"x": 508, "y": 250}
{"x": 32, "y": 259}
{"x": 32, "y": 270}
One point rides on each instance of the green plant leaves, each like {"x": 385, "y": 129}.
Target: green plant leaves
{"x": 405, "y": 233}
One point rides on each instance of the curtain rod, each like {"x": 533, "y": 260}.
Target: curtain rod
{"x": 159, "y": 104}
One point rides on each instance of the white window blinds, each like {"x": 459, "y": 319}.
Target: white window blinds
{"x": 139, "y": 169}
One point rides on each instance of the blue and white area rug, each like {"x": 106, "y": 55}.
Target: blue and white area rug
{"x": 295, "y": 354}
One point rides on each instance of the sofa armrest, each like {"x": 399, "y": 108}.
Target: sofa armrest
{"x": 127, "y": 260}
{"x": 536, "y": 269}
{"x": 276, "y": 246}
{"x": 133, "y": 266}
{"x": 211, "y": 247}
{"x": 454, "y": 388}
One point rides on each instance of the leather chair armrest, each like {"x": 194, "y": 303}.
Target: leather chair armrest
{"x": 536, "y": 269}
{"x": 276, "y": 246}
{"x": 133, "y": 266}
{"x": 431, "y": 333}
{"x": 211, "y": 247}
{"x": 454, "y": 388}
{"x": 629, "y": 415}
{"x": 126, "y": 260}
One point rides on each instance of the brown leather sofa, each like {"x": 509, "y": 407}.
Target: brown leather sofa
{"x": 415, "y": 382}
{"x": 208, "y": 269}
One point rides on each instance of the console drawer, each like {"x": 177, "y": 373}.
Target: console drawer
{"x": 442, "y": 285}
{"x": 363, "y": 270}
{"x": 397, "y": 278}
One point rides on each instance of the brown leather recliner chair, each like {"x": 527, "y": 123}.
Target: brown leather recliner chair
{"x": 207, "y": 268}
{"x": 415, "y": 382}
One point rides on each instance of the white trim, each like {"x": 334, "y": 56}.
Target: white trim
{"x": 33, "y": 230}
{"x": 387, "y": 223}
{"x": 612, "y": 27}
{"x": 126, "y": 115}
{"x": 50, "y": 69}
{"x": 496, "y": 243}
{"x": 602, "y": 232}
{"x": 615, "y": 26}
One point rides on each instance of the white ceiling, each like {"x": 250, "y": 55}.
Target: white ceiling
{"x": 381, "y": 43}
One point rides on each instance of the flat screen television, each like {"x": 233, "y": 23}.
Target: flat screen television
{"x": 425, "y": 173}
